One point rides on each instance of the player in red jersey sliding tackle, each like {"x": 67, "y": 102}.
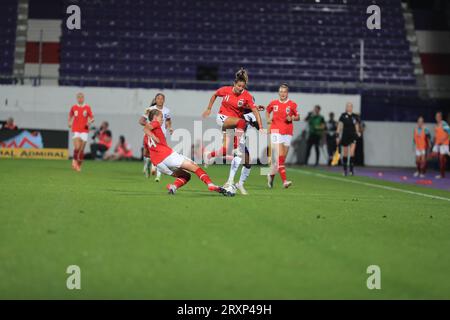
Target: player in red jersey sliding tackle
{"x": 80, "y": 117}
{"x": 170, "y": 162}
{"x": 284, "y": 112}
{"x": 235, "y": 102}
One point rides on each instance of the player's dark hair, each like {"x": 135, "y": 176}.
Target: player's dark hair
{"x": 152, "y": 114}
{"x": 156, "y": 96}
{"x": 241, "y": 75}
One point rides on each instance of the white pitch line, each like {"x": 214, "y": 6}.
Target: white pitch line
{"x": 371, "y": 185}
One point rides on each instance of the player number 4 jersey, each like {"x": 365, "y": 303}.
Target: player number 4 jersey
{"x": 280, "y": 111}
{"x": 158, "y": 150}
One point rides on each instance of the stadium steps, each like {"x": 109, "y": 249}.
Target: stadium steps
{"x": 21, "y": 39}
{"x": 414, "y": 48}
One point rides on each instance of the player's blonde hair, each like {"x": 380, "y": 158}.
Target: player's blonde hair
{"x": 152, "y": 114}
{"x": 241, "y": 75}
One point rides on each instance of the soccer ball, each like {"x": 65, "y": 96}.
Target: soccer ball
{"x": 231, "y": 189}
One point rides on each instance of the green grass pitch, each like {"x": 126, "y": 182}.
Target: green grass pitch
{"x": 132, "y": 240}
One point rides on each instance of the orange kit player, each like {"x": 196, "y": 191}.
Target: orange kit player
{"x": 440, "y": 148}
{"x": 421, "y": 143}
{"x": 170, "y": 162}
{"x": 80, "y": 117}
{"x": 284, "y": 112}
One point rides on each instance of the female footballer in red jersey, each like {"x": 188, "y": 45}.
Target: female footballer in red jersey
{"x": 170, "y": 162}
{"x": 231, "y": 113}
{"x": 80, "y": 117}
{"x": 236, "y": 101}
{"x": 284, "y": 111}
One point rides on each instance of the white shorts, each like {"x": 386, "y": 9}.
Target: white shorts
{"x": 420, "y": 153}
{"x": 82, "y": 135}
{"x": 220, "y": 119}
{"x": 171, "y": 163}
{"x": 250, "y": 117}
{"x": 441, "y": 148}
{"x": 281, "y": 138}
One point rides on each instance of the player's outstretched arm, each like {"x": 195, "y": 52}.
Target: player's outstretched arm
{"x": 268, "y": 119}
{"x": 169, "y": 125}
{"x": 70, "y": 119}
{"x": 338, "y": 132}
{"x": 207, "y": 112}
{"x": 258, "y": 118}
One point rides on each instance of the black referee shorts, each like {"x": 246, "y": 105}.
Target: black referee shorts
{"x": 348, "y": 139}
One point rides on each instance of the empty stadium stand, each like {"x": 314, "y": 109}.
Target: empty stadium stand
{"x": 294, "y": 41}
{"x": 8, "y": 18}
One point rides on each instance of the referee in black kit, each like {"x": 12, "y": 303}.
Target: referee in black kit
{"x": 347, "y": 133}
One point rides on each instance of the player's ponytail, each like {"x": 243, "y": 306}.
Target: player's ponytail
{"x": 241, "y": 75}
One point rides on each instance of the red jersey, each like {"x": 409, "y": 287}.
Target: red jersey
{"x": 233, "y": 104}
{"x": 158, "y": 151}
{"x": 80, "y": 116}
{"x": 280, "y": 111}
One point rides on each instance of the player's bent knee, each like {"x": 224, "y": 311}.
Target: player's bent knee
{"x": 189, "y": 165}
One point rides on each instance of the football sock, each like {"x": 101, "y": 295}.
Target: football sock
{"x": 179, "y": 182}
{"x": 146, "y": 163}
{"x": 352, "y": 163}
{"x": 235, "y": 163}
{"x": 424, "y": 166}
{"x": 80, "y": 157}
{"x": 344, "y": 163}
{"x": 240, "y": 134}
{"x": 203, "y": 176}
{"x": 442, "y": 164}
{"x": 245, "y": 172}
{"x": 75, "y": 154}
{"x": 282, "y": 168}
